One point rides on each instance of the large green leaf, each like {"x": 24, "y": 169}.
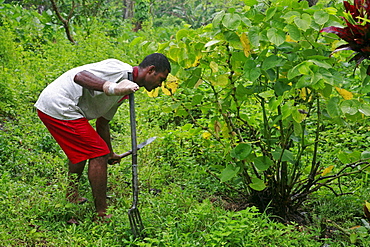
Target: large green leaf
{"x": 257, "y": 184}
{"x": 229, "y": 172}
{"x": 294, "y": 32}
{"x": 333, "y": 107}
{"x": 349, "y": 106}
{"x": 270, "y": 13}
{"x": 287, "y": 109}
{"x": 241, "y": 151}
{"x": 293, "y": 72}
{"x": 304, "y": 81}
{"x": 365, "y": 109}
{"x": 262, "y": 163}
{"x": 231, "y": 21}
{"x": 321, "y": 17}
{"x": 218, "y": 18}
{"x": 285, "y": 155}
{"x": 193, "y": 79}
{"x": 303, "y": 22}
{"x": 298, "y": 116}
{"x": 276, "y": 36}
{"x": 254, "y": 36}
{"x": 271, "y": 62}
{"x": 233, "y": 39}
{"x": 290, "y": 16}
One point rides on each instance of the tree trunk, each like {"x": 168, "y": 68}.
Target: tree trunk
{"x": 128, "y": 9}
{"x": 65, "y": 22}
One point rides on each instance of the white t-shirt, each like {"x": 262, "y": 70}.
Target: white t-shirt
{"x": 66, "y": 100}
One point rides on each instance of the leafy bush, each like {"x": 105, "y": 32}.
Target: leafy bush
{"x": 262, "y": 84}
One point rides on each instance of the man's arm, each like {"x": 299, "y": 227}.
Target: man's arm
{"x": 89, "y": 80}
{"x": 102, "y": 127}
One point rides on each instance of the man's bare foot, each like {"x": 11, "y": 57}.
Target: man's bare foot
{"x": 103, "y": 218}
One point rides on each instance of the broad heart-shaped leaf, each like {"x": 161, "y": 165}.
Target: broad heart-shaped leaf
{"x": 218, "y": 18}
{"x": 304, "y": 81}
{"x": 181, "y": 34}
{"x": 321, "y": 17}
{"x": 365, "y": 109}
{"x": 262, "y": 163}
{"x": 193, "y": 79}
{"x": 241, "y": 151}
{"x": 303, "y": 22}
{"x": 231, "y": 21}
{"x": 257, "y": 184}
{"x": 271, "y": 62}
{"x": 270, "y": 13}
{"x": 294, "y": 72}
{"x": 349, "y": 106}
{"x": 241, "y": 92}
{"x": 348, "y": 157}
{"x": 333, "y": 107}
{"x": 275, "y": 36}
{"x": 254, "y": 36}
{"x": 233, "y": 39}
{"x": 287, "y": 109}
{"x": 221, "y": 80}
{"x": 229, "y": 172}
{"x": 287, "y": 155}
{"x": 294, "y": 32}
{"x": 298, "y": 116}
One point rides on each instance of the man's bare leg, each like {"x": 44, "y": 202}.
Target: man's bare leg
{"x": 98, "y": 180}
{"x": 74, "y": 175}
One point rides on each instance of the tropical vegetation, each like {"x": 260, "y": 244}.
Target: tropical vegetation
{"x": 263, "y": 130}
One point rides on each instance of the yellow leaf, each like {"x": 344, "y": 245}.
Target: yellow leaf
{"x": 303, "y": 93}
{"x": 196, "y": 62}
{"x": 225, "y": 131}
{"x": 206, "y": 135}
{"x": 289, "y": 39}
{"x": 327, "y": 170}
{"x": 200, "y": 81}
{"x": 367, "y": 205}
{"x": 153, "y": 93}
{"x": 221, "y": 80}
{"x": 217, "y": 127}
{"x": 171, "y": 85}
{"x": 214, "y": 66}
{"x": 246, "y": 45}
{"x": 344, "y": 93}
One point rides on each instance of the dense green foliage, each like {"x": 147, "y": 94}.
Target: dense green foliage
{"x": 261, "y": 87}
{"x": 238, "y": 96}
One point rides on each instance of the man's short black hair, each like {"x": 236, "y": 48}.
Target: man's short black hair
{"x": 159, "y": 60}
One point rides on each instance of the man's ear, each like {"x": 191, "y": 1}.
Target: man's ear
{"x": 151, "y": 69}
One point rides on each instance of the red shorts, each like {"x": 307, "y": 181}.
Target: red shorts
{"x": 77, "y": 138}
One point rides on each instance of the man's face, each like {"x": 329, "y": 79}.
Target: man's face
{"x": 154, "y": 79}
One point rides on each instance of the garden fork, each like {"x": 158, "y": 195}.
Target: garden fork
{"x": 133, "y": 213}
